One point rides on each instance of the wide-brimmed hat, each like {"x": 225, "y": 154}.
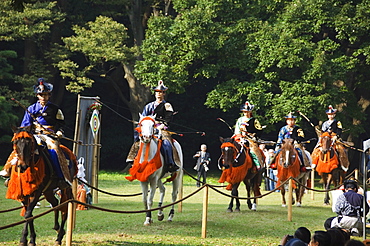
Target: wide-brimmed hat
{"x": 42, "y": 87}
{"x": 160, "y": 86}
{"x": 247, "y": 106}
{"x": 331, "y": 110}
{"x": 290, "y": 116}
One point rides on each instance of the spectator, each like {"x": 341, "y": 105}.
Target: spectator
{"x": 349, "y": 209}
{"x": 338, "y": 236}
{"x": 203, "y": 160}
{"x": 353, "y": 242}
{"x": 301, "y": 237}
{"x": 320, "y": 238}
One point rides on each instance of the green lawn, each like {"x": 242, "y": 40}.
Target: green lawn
{"x": 264, "y": 227}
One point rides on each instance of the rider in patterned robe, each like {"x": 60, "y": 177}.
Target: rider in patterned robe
{"x": 248, "y": 127}
{"x": 163, "y": 112}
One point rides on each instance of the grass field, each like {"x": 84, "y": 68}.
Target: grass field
{"x": 266, "y": 226}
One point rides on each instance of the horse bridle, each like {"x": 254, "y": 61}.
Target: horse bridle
{"x": 236, "y": 151}
{"x": 24, "y": 134}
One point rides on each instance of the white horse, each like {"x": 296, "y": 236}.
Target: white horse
{"x": 149, "y": 161}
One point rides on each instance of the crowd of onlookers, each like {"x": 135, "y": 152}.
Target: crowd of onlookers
{"x": 331, "y": 237}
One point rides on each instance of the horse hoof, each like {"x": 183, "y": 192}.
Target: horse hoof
{"x": 160, "y": 217}
{"x": 23, "y": 244}
{"x": 229, "y": 210}
{"x": 237, "y": 210}
{"x": 170, "y": 218}
{"x": 283, "y": 205}
{"x": 57, "y": 243}
{"x": 148, "y": 221}
{"x": 254, "y": 207}
{"x": 299, "y": 204}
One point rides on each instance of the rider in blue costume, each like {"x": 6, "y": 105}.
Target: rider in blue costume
{"x": 163, "y": 112}
{"x": 291, "y": 130}
{"x": 46, "y": 121}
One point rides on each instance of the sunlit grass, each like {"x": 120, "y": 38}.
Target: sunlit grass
{"x": 94, "y": 227}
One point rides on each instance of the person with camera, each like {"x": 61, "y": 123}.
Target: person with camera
{"x": 203, "y": 160}
{"x": 349, "y": 207}
{"x": 301, "y": 237}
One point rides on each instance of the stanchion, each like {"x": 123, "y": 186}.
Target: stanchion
{"x": 205, "y": 212}
{"x": 70, "y": 224}
{"x": 312, "y": 184}
{"x": 290, "y": 199}
{"x": 181, "y": 193}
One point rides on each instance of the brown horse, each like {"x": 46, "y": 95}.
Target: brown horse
{"x": 328, "y": 165}
{"x": 237, "y": 166}
{"x": 289, "y": 165}
{"x": 32, "y": 175}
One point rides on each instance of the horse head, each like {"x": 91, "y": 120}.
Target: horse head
{"x": 326, "y": 142}
{"x": 229, "y": 152}
{"x": 287, "y": 154}
{"x": 24, "y": 145}
{"x": 146, "y": 128}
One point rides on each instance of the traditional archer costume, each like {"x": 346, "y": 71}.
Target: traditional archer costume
{"x": 46, "y": 120}
{"x": 247, "y": 129}
{"x": 163, "y": 112}
{"x": 332, "y": 125}
{"x": 296, "y": 133}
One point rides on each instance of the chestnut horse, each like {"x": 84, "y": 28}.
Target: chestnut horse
{"x": 328, "y": 165}
{"x": 237, "y": 166}
{"x": 149, "y": 168}
{"x": 32, "y": 175}
{"x": 289, "y": 165}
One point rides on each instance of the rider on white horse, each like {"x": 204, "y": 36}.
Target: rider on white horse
{"x": 163, "y": 112}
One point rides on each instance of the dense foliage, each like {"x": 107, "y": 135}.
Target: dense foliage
{"x": 281, "y": 55}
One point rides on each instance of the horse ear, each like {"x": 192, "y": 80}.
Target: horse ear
{"x": 14, "y": 129}
{"x": 221, "y": 139}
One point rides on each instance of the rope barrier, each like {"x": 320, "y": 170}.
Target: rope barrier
{"x": 191, "y": 176}
{"x": 108, "y": 193}
{"x": 213, "y": 187}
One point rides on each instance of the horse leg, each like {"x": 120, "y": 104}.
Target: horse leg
{"x": 23, "y": 241}
{"x": 327, "y": 183}
{"x": 65, "y": 195}
{"x": 145, "y": 190}
{"x": 29, "y": 208}
{"x": 176, "y": 183}
{"x": 248, "y": 187}
{"x": 237, "y": 201}
{"x": 162, "y": 191}
{"x": 49, "y": 196}
{"x": 282, "y": 191}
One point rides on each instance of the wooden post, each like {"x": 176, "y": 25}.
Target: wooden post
{"x": 205, "y": 212}
{"x": 76, "y": 137}
{"x": 70, "y": 224}
{"x": 181, "y": 192}
{"x": 95, "y": 170}
{"x": 312, "y": 183}
{"x": 290, "y": 199}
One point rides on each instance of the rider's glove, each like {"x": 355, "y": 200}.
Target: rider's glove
{"x": 59, "y": 134}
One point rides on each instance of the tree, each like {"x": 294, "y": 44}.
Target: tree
{"x": 292, "y": 55}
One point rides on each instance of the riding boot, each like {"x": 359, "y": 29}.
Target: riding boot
{"x": 133, "y": 152}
